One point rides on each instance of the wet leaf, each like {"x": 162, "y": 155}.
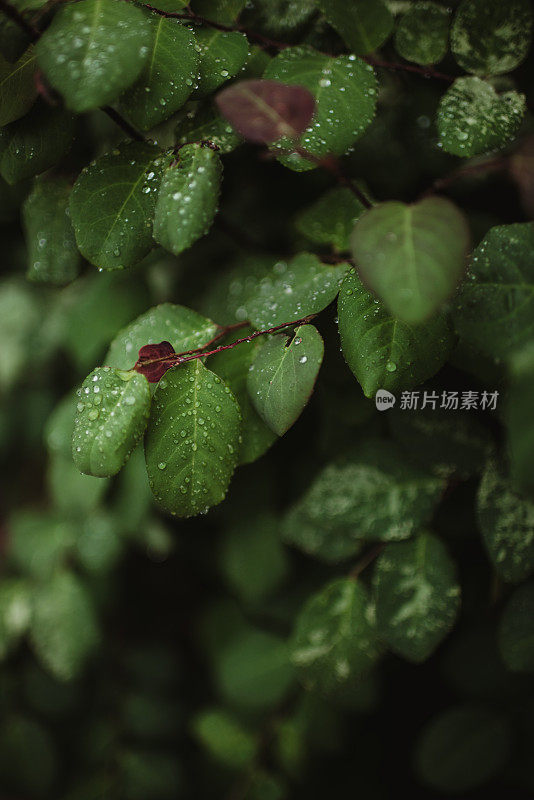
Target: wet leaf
{"x": 112, "y": 205}
{"x": 473, "y": 119}
{"x": 334, "y": 643}
{"x": 168, "y": 75}
{"x": 222, "y": 55}
{"x": 331, "y": 219}
{"x": 93, "y": 50}
{"x": 192, "y": 441}
{"x": 363, "y": 24}
{"x": 150, "y": 353}
{"x": 264, "y": 111}
{"x": 417, "y": 596}
{"x": 422, "y": 34}
{"x": 188, "y": 198}
{"x": 113, "y": 409}
{"x": 53, "y": 257}
{"x": 412, "y": 257}
{"x": 384, "y": 352}
{"x": 201, "y": 122}
{"x": 283, "y": 376}
{"x": 17, "y": 87}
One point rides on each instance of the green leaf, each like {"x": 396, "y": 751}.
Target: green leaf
{"x": 490, "y": 37}
{"x": 506, "y": 521}
{"x": 330, "y": 220}
{"x": 281, "y": 16}
{"x": 226, "y": 298}
{"x": 201, "y": 122}
{"x": 334, "y": 641}
{"x": 412, "y": 257}
{"x": 52, "y": 253}
{"x": 112, "y": 205}
{"x": 22, "y": 742}
{"x": 373, "y": 493}
{"x": 225, "y": 11}
{"x": 253, "y": 560}
{"x": 253, "y": 671}
{"x": 17, "y": 87}
{"x": 168, "y": 75}
{"x": 193, "y": 438}
{"x": 98, "y": 544}
{"x": 233, "y": 367}
{"x": 93, "y": 50}
{"x": 363, "y": 24}
{"x": 473, "y": 119}
{"x": 494, "y": 311}
{"x": 461, "y": 749}
{"x": 15, "y": 612}
{"x": 39, "y": 542}
{"x": 222, "y": 55}
{"x": 188, "y": 198}
{"x": 516, "y": 630}
{"x": 225, "y": 738}
{"x": 383, "y": 352}
{"x": 35, "y": 143}
{"x": 64, "y": 629}
{"x": 113, "y": 410}
{"x": 182, "y": 327}
{"x": 294, "y": 290}
{"x": 422, "y": 34}
{"x": 283, "y": 376}
{"x": 519, "y": 415}
{"x": 71, "y": 492}
{"x": 322, "y": 540}
{"x": 417, "y": 596}
{"x": 345, "y": 93}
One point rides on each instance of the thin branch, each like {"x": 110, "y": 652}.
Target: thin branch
{"x": 15, "y": 16}
{"x": 119, "y": 120}
{"x": 367, "y": 559}
{"x": 425, "y": 72}
{"x": 491, "y": 165}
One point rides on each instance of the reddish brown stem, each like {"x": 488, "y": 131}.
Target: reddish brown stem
{"x": 494, "y": 164}
{"x": 425, "y": 72}
{"x": 367, "y": 559}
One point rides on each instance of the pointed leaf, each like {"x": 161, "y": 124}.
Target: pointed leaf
{"x": 222, "y": 54}
{"x": 52, "y": 253}
{"x": 417, "y": 596}
{"x": 192, "y": 441}
{"x": 363, "y": 24}
{"x": 17, "y": 87}
{"x": 506, "y": 521}
{"x": 490, "y": 37}
{"x": 113, "y": 409}
{"x": 334, "y": 641}
{"x": 188, "y": 198}
{"x": 494, "y": 310}
{"x": 383, "y": 352}
{"x": 294, "y": 290}
{"x": 265, "y": 111}
{"x": 35, "y": 143}
{"x": 412, "y": 257}
{"x": 322, "y": 540}
{"x": 168, "y": 74}
{"x": 473, "y": 119}
{"x": 330, "y": 220}
{"x": 345, "y": 94}
{"x": 64, "y": 629}
{"x": 283, "y": 376}
{"x": 112, "y": 205}
{"x": 93, "y": 50}
{"x": 183, "y": 328}
{"x": 422, "y": 34}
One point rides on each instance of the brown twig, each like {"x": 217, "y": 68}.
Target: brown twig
{"x": 367, "y": 559}
{"x": 491, "y": 165}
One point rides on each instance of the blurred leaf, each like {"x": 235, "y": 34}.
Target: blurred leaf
{"x": 15, "y": 612}
{"x": 417, "y": 596}
{"x": 24, "y": 741}
{"x": 516, "y": 630}
{"x": 224, "y": 738}
{"x": 191, "y": 454}
{"x": 412, "y": 257}
{"x": 462, "y": 748}
{"x": 321, "y": 539}
{"x": 489, "y": 37}
{"x": 146, "y": 774}
{"x": 473, "y": 119}
{"x": 384, "y": 352}
{"x": 283, "y": 375}
{"x": 519, "y": 415}
{"x": 83, "y": 57}
{"x": 17, "y": 87}
{"x": 422, "y": 34}
{"x": 64, "y": 630}
{"x": 39, "y": 542}
{"x": 334, "y": 641}
{"x": 363, "y": 24}
{"x": 330, "y": 220}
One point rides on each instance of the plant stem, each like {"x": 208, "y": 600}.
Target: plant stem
{"x": 132, "y": 132}
{"x": 367, "y": 559}
{"x": 489, "y": 165}
{"x": 425, "y": 72}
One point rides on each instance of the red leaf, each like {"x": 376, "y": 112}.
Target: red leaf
{"x": 149, "y": 363}
{"x": 266, "y": 111}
